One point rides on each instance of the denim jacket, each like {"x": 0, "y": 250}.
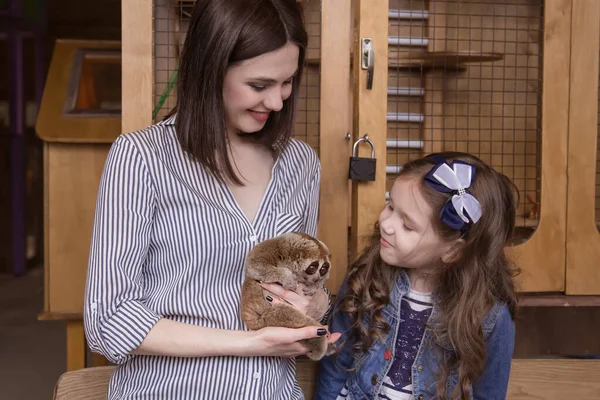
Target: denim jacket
{"x": 370, "y": 368}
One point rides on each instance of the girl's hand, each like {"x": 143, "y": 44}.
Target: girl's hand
{"x": 284, "y": 342}
{"x": 314, "y": 306}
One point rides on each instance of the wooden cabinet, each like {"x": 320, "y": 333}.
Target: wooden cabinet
{"x": 79, "y": 117}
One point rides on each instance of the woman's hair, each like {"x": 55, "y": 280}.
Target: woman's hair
{"x": 466, "y": 287}
{"x": 221, "y": 33}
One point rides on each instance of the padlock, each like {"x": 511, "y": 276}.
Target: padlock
{"x": 362, "y": 168}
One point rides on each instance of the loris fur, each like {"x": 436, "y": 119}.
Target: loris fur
{"x": 288, "y": 260}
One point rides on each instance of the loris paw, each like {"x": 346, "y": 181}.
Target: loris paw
{"x": 317, "y": 347}
{"x": 309, "y": 291}
{"x": 289, "y": 283}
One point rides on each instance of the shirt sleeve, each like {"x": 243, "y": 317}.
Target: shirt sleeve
{"x": 116, "y": 317}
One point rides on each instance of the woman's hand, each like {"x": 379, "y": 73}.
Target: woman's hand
{"x": 284, "y": 342}
{"x": 177, "y": 339}
{"x": 314, "y": 306}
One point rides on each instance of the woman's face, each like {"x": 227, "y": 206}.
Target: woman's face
{"x": 256, "y": 87}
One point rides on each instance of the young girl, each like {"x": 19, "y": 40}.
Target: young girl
{"x": 427, "y": 309}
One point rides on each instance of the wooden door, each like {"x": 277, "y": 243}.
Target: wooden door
{"x": 489, "y": 77}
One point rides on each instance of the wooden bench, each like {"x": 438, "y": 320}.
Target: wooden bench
{"x": 531, "y": 379}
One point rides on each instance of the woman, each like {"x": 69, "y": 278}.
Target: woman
{"x": 182, "y": 202}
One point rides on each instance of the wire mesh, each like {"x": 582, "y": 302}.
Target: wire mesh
{"x": 465, "y": 75}
{"x": 307, "y": 119}
{"x": 171, "y": 20}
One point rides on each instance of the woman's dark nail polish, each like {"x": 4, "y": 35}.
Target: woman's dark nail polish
{"x": 269, "y": 299}
{"x": 321, "y": 332}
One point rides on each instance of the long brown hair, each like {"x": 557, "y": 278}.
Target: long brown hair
{"x": 221, "y": 33}
{"x": 478, "y": 275}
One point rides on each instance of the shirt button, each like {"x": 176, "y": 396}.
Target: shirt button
{"x": 253, "y": 238}
{"x": 256, "y": 375}
{"x": 420, "y": 368}
{"x": 374, "y": 379}
{"x": 420, "y": 397}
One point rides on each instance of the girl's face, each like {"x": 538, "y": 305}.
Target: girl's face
{"x": 256, "y": 87}
{"x": 407, "y": 237}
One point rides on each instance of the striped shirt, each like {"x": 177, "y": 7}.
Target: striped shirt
{"x": 170, "y": 241}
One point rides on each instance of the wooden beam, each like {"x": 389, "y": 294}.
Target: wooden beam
{"x": 335, "y": 110}
{"x": 370, "y": 116}
{"x": 137, "y": 70}
{"x": 583, "y": 239}
{"x": 542, "y": 257}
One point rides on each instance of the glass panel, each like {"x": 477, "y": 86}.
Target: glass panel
{"x": 95, "y": 83}
{"x": 466, "y": 76}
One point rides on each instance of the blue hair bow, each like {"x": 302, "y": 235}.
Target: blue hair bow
{"x": 462, "y": 208}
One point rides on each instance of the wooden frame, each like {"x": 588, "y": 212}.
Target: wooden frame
{"x": 529, "y": 379}
{"x": 583, "y": 239}
{"x": 75, "y": 150}
{"x": 542, "y": 256}
{"x": 334, "y": 124}
{"x": 369, "y": 116}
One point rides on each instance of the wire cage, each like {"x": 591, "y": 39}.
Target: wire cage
{"x": 465, "y": 75}
{"x": 171, "y": 19}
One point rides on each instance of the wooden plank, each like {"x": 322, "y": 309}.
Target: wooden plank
{"x": 559, "y": 301}
{"x": 334, "y": 124}
{"x": 554, "y": 379}
{"x": 583, "y": 239}
{"x": 371, "y": 21}
{"x": 75, "y": 345}
{"x": 46, "y": 206}
{"x": 542, "y": 257}
{"x": 537, "y": 334}
{"x": 530, "y": 379}
{"x": 137, "y": 67}
{"x": 73, "y": 177}
{"x": 88, "y": 383}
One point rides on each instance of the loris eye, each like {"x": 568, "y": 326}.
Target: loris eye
{"x": 312, "y": 268}
{"x": 324, "y": 269}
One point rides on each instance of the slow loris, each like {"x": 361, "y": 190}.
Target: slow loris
{"x": 288, "y": 259}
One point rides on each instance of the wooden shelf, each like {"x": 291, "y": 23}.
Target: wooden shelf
{"x": 558, "y": 300}
{"x": 443, "y": 60}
